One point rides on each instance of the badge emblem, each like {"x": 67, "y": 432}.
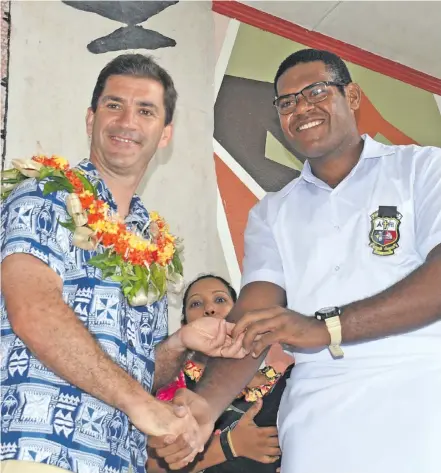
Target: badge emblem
{"x": 385, "y": 231}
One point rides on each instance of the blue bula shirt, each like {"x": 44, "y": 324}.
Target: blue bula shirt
{"x": 43, "y": 418}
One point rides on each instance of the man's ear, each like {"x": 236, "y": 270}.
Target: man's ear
{"x": 167, "y": 134}
{"x": 353, "y": 95}
{"x": 90, "y": 117}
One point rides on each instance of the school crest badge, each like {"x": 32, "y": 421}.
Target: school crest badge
{"x": 385, "y": 231}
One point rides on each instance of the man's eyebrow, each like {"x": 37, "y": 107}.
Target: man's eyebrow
{"x": 112, "y": 98}
{"x": 147, "y": 104}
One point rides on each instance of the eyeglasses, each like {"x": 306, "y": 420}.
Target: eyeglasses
{"x": 312, "y": 93}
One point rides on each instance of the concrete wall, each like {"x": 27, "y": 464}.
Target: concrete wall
{"x": 51, "y": 78}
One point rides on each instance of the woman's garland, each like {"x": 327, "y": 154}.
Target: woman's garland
{"x": 143, "y": 266}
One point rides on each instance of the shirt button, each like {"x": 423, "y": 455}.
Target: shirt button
{"x": 337, "y": 268}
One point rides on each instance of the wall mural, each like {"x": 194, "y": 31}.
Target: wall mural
{"x": 132, "y": 36}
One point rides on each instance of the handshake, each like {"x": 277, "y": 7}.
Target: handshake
{"x": 179, "y": 430}
{"x": 182, "y": 428}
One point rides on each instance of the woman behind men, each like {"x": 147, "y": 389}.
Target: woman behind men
{"x": 245, "y": 437}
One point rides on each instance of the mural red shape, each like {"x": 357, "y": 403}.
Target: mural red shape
{"x": 237, "y": 200}
{"x": 370, "y": 121}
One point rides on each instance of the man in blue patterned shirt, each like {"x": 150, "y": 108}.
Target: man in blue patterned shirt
{"x": 78, "y": 361}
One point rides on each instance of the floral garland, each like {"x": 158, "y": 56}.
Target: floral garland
{"x": 250, "y": 394}
{"x": 142, "y": 266}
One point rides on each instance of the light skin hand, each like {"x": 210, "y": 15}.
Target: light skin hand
{"x": 263, "y": 328}
{"x": 211, "y": 336}
{"x": 59, "y": 340}
{"x": 178, "y": 452}
{"x": 257, "y": 443}
{"x": 208, "y": 335}
{"x": 164, "y": 419}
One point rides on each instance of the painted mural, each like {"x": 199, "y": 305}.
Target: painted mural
{"x": 133, "y": 35}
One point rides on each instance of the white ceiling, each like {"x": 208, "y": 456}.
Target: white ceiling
{"x": 405, "y": 32}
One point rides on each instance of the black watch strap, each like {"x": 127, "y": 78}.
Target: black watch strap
{"x": 226, "y": 446}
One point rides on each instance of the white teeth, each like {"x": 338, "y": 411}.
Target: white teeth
{"x": 122, "y": 139}
{"x": 310, "y": 125}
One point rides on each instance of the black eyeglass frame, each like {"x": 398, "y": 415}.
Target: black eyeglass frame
{"x": 310, "y": 86}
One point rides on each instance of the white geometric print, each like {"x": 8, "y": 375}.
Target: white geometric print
{"x": 44, "y": 418}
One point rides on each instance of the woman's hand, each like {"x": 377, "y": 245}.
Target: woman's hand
{"x": 257, "y": 443}
{"x": 212, "y": 337}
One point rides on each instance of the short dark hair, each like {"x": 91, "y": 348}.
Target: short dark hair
{"x": 138, "y": 65}
{"x": 334, "y": 64}
{"x": 228, "y": 286}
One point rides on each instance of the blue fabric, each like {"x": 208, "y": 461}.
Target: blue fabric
{"x": 45, "y": 419}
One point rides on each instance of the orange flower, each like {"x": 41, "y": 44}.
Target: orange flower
{"x": 109, "y": 230}
{"x": 86, "y": 199}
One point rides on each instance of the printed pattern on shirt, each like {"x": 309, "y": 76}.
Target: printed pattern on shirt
{"x": 44, "y": 418}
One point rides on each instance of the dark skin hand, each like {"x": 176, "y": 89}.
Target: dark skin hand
{"x": 411, "y": 303}
{"x": 238, "y": 372}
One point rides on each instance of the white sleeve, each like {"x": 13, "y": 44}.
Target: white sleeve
{"x": 427, "y": 196}
{"x": 262, "y": 260}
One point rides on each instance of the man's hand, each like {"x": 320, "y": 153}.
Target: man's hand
{"x": 163, "y": 419}
{"x": 212, "y": 337}
{"x": 262, "y": 328}
{"x": 179, "y": 452}
{"x": 257, "y": 443}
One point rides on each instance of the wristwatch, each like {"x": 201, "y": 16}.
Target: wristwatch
{"x": 331, "y": 317}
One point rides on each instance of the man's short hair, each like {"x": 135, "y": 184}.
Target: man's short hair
{"x": 334, "y": 64}
{"x": 138, "y": 65}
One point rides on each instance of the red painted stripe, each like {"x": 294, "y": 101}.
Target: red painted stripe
{"x": 312, "y": 39}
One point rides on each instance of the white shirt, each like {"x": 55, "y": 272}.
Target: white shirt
{"x": 318, "y": 244}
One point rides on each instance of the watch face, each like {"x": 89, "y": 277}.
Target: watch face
{"x": 327, "y": 312}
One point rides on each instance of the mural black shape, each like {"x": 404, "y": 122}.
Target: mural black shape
{"x": 131, "y": 13}
{"x": 243, "y": 114}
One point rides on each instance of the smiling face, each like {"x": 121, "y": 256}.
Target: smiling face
{"x": 318, "y": 130}
{"x": 128, "y": 125}
{"x": 208, "y": 297}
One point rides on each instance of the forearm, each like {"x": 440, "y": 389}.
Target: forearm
{"x": 61, "y": 342}
{"x": 170, "y": 357}
{"x": 412, "y": 303}
{"x": 238, "y": 372}
{"x": 57, "y": 338}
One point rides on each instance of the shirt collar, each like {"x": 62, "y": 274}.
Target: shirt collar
{"x": 138, "y": 214}
{"x": 371, "y": 149}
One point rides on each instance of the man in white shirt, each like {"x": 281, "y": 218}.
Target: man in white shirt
{"x": 343, "y": 267}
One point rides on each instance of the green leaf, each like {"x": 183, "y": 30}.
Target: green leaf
{"x": 46, "y": 172}
{"x": 117, "y": 278}
{"x": 137, "y": 286}
{"x": 177, "y": 264}
{"x": 100, "y": 257}
{"x": 108, "y": 272}
{"x": 88, "y": 186}
{"x": 127, "y": 290}
{"x": 50, "y": 187}
{"x": 139, "y": 272}
{"x": 158, "y": 277}
{"x": 69, "y": 224}
{"x": 63, "y": 182}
